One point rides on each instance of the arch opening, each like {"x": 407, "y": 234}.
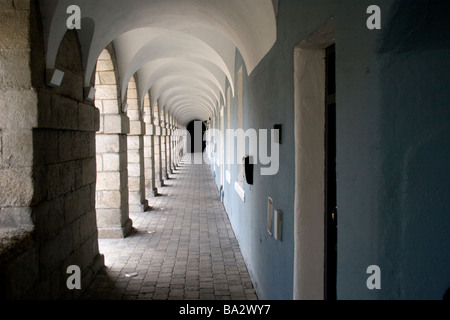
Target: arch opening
{"x": 196, "y": 129}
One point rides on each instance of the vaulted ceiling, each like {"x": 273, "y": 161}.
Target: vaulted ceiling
{"x": 183, "y": 51}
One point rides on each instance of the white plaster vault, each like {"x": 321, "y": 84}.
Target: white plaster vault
{"x": 182, "y": 51}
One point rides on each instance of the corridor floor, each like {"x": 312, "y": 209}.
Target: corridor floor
{"x": 183, "y": 249}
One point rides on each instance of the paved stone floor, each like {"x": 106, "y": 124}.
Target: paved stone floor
{"x": 183, "y": 249}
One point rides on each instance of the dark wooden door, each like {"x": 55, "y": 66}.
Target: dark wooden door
{"x": 331, "y": 214}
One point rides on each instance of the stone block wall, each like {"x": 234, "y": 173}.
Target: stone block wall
{"x": 48, "y": 168}
{"x": 18, "y": 117}
{"x": 65, "y": 178}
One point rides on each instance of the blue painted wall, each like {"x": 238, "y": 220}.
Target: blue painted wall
{"x": 393, "y": 146}
{"x": 269, "y": 100}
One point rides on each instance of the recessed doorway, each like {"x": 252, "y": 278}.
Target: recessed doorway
{"x": 315, "y": 163}
{"x": 196, "y": 143}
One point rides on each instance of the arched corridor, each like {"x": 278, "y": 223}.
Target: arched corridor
{"x": 185, "y": 250}
{"x": 325, "y": 133}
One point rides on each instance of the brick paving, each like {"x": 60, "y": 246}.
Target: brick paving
{"x": 183, "y": 249}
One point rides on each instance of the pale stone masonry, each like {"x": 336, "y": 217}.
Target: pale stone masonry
{"x": 163, "y": 147}
{"x": 149, "y": 159}
{"x": 169, "y": 146}
{"x": 112, "y": 157}
{"x": 163, "y": 155}
{"x": 136, "y": 166}
{"x": 157, "y": 148}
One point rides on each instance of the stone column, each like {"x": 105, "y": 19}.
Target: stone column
{"x": 157, "y": 149}
{"x": 169, "y": 147}
{"x": 177, "y": 144}
{"x": 112, "y": 164}
{"x": 136, "y": 163}
{"x": 176, "y": 158}
{"x": 112, "y": 192}
{"x": 150, "y": 188}
{"x": 163, "y": 151}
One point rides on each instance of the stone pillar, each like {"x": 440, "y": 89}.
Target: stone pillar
{"x": 178, "y": 145}
{"x": 112, "y": 186}
{"x": 157, "y": 149}
{"x": 175, "y": 148}
{"x": 112, "y": 164}
{"x": 163, "y": 151}
{"x": 172, "y": 147}
{"x": 136, "y": 163}
{"x": 149, "y": 160}
{"x": 169, "y": 147}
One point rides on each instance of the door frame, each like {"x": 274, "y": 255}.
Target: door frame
{"x": 310, "y": 156}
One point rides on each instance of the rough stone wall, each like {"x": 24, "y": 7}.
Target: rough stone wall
{"x": 48, "y": 199}
{"x": 18, "y": 117}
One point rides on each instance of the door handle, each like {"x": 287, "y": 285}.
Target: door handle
{"x": 334, "y": 216}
